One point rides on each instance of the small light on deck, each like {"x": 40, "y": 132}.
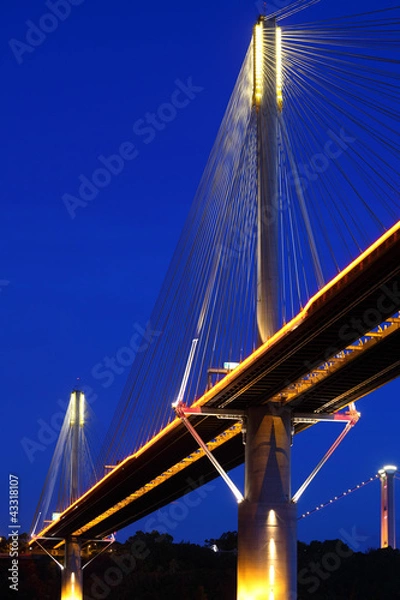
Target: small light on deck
{"x": 229, "y": 366}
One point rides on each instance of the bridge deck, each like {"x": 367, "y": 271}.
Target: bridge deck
{"x": 354, "y": 303}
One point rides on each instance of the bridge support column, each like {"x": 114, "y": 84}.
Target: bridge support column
{"x": 71, "y": 577}
{"x": 267, "y": 531}
{"x": 388, "y": 521}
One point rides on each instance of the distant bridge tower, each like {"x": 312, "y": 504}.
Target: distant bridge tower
{"x": 71, "y": 577}
{"x": 388, "y": 520}
{"x": 267, "y": 560}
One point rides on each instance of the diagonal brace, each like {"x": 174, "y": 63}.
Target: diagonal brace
{"x": 180, "y": 411}
{"x": 36, "y": 540}
{"x": 350, "y": 418}
{"x": 110, "y": 543}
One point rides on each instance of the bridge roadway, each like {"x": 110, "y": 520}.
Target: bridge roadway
{"x": 329, "y": 355}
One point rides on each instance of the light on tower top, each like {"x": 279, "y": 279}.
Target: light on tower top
{"x": 279, "y": 99}
{"x": 73, "y": 408}
{"x": 258, "y": 62}
{"x": 258, "y": 41}
{"x": 388, "y": 469}
{"x": 82, "y": 410}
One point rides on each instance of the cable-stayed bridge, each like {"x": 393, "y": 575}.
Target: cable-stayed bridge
{"x": 281, "y": 305}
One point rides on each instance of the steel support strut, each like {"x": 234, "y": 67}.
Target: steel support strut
{"x": 267, "y": 532}
{"x": 181, "y": 412}
{"x": 350, "y": 418}
{"x": 267, "y": 537}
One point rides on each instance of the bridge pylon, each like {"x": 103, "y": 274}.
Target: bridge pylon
{"x": 267, "y": 523}
{"x": 267, "y": 531}
{"x": 71, "y": 450}
{"x": 267, "y": 519}
{"x": 71, "y": 575}
{"x": 267, "y": 102}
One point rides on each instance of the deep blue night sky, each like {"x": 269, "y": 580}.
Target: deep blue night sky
{"x": 72, "y": 290}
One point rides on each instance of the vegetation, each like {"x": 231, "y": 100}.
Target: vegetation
{"x": 150, "y": 566}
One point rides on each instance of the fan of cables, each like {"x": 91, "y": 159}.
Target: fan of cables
{"x": 338, "y": 183}
{"x": 72, "y": 468}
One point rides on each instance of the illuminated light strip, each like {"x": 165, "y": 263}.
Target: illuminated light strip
{"x": 258, "y": 40}
{"x": 367, "y": 345}
{"x": 121, "y": 465}
{"x": 73, "y": 408}
{"x": 247, "y": 362}
{"x": 271, "y": 574}
{"x": 82, "y": 409}
{"x": 353, "y": 264}
{"x": 325, "y": 369}
{"x": 188, "y": 460}
{"x": 295, "y": 322}
{"x": 278, "y": 51}
{"x": 387, "y": 468}
{"x": 342, "y": 495}
{"x": 272, "y": 549}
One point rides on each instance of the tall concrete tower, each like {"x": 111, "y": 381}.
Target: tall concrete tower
{"x": 267, "y": 544}
{"x": 267, "y": 101}
{"x": 71, "y": 577}
{"x": 388, "y": 520}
